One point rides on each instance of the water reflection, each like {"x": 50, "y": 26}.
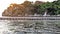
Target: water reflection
{"x": 29, "y": 26}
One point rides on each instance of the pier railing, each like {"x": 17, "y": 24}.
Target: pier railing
{"x": 31, "y": 18}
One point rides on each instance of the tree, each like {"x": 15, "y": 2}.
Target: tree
{"x": 41, "y": 8}
{"x": 37, "y": 7}
{"x": 56, "y": 5}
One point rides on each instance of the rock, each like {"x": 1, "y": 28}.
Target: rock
{"x": 17, "y": 10}
{"x": 25, "y": 9}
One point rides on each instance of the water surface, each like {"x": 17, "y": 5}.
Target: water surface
{"x": 29, "y": 26}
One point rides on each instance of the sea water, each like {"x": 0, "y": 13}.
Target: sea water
{"x": 29, "y": 26}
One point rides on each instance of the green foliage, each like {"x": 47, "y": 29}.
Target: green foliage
{"x": 56, "y": 5}
{"x": 43, "y": 7}
{"x": 52, "y": 8}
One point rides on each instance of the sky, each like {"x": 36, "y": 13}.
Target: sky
{"x": 5, "y": 3}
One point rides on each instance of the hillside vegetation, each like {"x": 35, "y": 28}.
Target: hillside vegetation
{"x": 30, "y": 8}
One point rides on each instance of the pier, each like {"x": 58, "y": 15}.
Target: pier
{"x": 31, "y": 18}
